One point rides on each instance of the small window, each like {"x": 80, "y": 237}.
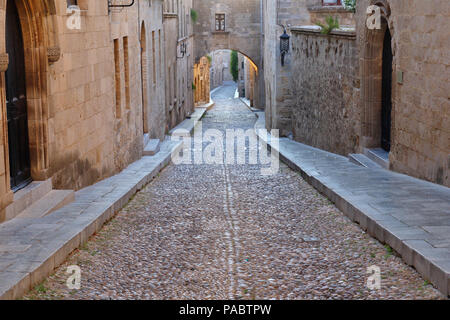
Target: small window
{"x": 331, "y": 2}
{"x": 220, "y": 22}
{"x": 72, "y": 3}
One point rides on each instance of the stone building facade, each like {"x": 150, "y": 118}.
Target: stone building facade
{"x": 202, "y": 81}
{"x": 179, "y": 49}
{"x": 220, "y": 68}
{"x": 72, "y": 91}
{"x": 152, "y": 68}
{"x": 248, "y": 75}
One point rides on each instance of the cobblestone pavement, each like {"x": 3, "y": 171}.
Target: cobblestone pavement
{"x": 228, "y": 232}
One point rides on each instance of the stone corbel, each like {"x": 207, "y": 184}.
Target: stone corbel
{"x": 53, "y": 54}
{"x": 4, "y": 62}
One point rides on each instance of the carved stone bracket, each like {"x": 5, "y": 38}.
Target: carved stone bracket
{"x": 4, "y": 62}
{"x": 53, "y": 54}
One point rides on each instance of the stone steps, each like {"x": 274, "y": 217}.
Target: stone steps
{"x": 52, "y": 201}
{"x": 378, "y": 156}
{"x": 26, "y": 197}
{"x": 152, "y": 147}
{"x": 363, "y": 161}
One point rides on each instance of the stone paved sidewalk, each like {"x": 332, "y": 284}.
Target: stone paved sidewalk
{"x": 410, "y": 215}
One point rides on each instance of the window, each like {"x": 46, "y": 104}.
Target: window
{"x": 127, "y": 72}
{"x": 72, "y": 3}
{"x": 331, "y": 2}
{"x": 117, "y": 76}
{"x": 154, "y": 56}
{"x": 160, "y": 54}
{"x": 220, "y": 22}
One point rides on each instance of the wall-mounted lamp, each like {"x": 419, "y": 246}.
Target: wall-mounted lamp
{"x": 183, "y": 50}
{"x": 110, "y": 5}
{"x": 284, "y": 45}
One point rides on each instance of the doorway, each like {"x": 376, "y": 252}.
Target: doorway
{"x": 16, "y": 102}
{"x": 386, "y": 107}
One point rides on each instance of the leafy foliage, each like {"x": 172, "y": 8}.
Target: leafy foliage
{"x": 331, "y": 24}
{"x": 350, "y": 5}
{"x": 194, "y": 15}
{"x": 234, "y": 65}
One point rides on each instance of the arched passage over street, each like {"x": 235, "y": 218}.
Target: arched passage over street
{"x": 231, "y": 25}
{"x": 228, "y": 24}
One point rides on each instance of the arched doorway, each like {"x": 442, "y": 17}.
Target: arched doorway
{"x": 144, "y": 75}
{"x": 16, "y": 102}
{"x": 386, "y": 104}
{"x": 378, "y": 87}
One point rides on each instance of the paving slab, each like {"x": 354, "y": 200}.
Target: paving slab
{"x": 411, "y": 215}
{"x": 30, "y": 249}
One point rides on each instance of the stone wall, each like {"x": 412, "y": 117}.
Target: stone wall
{"x": 325, "y": 113}
{"x": 421, "y": 105}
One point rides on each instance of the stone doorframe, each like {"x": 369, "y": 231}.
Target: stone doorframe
{"x": 371, "y": 63}
{"x": 39, "y": 29}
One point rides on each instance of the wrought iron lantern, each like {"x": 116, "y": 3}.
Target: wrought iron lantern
{"x": 284, "y": 45}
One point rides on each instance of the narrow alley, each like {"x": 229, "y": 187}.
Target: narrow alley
{"x": 228, "y": 232}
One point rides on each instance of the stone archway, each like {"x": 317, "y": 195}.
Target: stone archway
{"x": 372, "y": 79}
{"x": 224, "y": 25}
{"x": 39, "y": 31}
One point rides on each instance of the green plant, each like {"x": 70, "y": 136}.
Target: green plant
{"x": 209, "y": 59}
{"x": 41, "y": 288}
{"x": 350, "y": 5}
{"x": 234, "y": 65}
{"x": 331, "y": 24}
{"x": 388, "y": 249}
{"x": 194, "y": 16}
{"x": 193, "y": 86}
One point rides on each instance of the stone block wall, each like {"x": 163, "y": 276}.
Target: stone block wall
{"x": 325, "y": 112}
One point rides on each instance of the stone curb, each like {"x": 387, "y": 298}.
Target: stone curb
{"x": 187, "y": 126}
{"x": 413, "y": 252}
{"x": 76, "y": 232}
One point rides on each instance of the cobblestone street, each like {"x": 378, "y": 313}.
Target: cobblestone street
{"x": 229, "y": 232}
